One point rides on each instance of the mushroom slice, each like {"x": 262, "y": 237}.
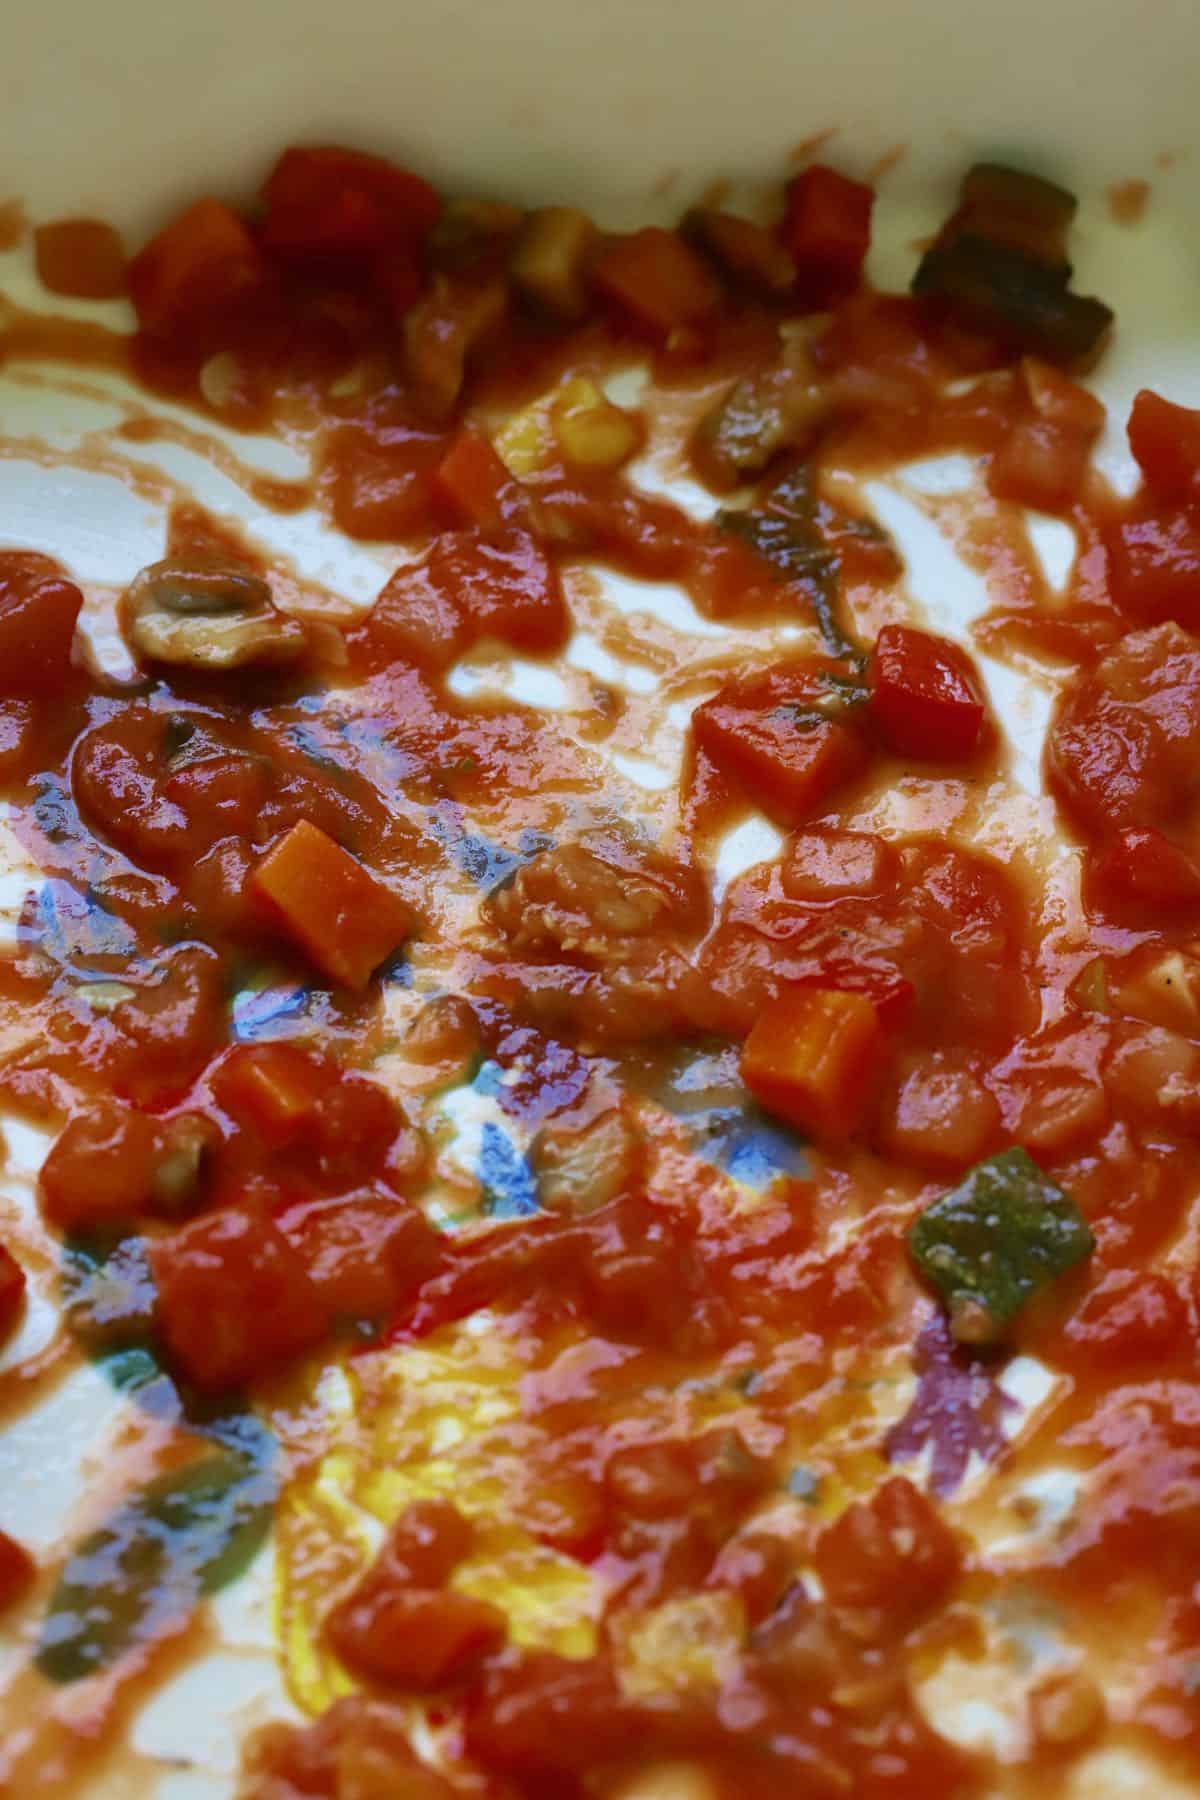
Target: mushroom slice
{"x": 203, "y": 612}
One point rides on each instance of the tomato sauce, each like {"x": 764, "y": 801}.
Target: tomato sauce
{"x": 283, "y": 811}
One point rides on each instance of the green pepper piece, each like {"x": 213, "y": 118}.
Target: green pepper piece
{"x": 1004, "y": 1233}
{"x": 159, "y": 1554}
{"x": 1001, "y": 290}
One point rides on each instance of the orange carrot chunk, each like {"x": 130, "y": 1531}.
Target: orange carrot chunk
{"x": 345, "y": 920}
{"x": 812, "y": 1057}
{"x": 658, "y": 282}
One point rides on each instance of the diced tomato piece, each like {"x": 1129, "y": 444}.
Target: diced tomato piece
{"x": 1057, "y": 1109}
{"x": 234, "y": 1300}
{"x": 38, "y": 616}
{"x": 827, "y": 864}
{"x": 339, "y": 914}
{"x": 827, "y": 232}
{"x": 12, "y": 1293}
{"x": 365, "y": 1254}
{"x": 416, "y": 1639}
{"x": 1142, "y": 867}
{"x": 1043, "y": 460}
{"x": 417, "y": 618}
{"x": 1154, "y": 564}
{"x": 379, "y": 485}
{"x": 1122, "y": 748}
{"x": 893, "y": 1552}
{"x": 1165, "y": 440}
{"x": 658, "y": 282}
{"x": 466, "y": 587}
{"x": 475, "y": 483}
{"x": 426, "y": 1544}
{"x": 940, "y": 1115}
{"x": 17, "y": 1570}
{"x": 83, "y": 258}
{"x": 343, "y": 205}
{"x": 1134, "y": 1317}
{"x": 100, "y": 1169}
{"x": 509, "y": 589}
{"x": 772, "y": 734}
{"x": 200, "y": 272}
{"x": 812, "y": 1057}
{"x": 926, "y": 697}
{"x": 543, "y": 1712}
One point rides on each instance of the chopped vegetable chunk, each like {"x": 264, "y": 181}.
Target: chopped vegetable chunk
{"x": 788, "y": 735}
{"x": 827, "y": 233}
{"x": 813, "y": 1056}
{"x": 339, "y": 914}
{"x": 925, "y": 694}
{"x": 343, "y": 204}
{"x": 1165, "y": 440}
{"x": 995, "y": 1241}
{"x": 999, "y": 265}
{"x": 234, "y": 1300}
{"x": 550, "y": 260}
{"x": 197, "y": 276}
{"x": 657, "y": 281}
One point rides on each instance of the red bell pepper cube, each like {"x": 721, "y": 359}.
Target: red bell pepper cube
{"x": 827, "y": 232}
{"x": 339, "y": 914}
{"x": 327, "y": 203}
{"x": 1165, "y": 440}
{"x": 926, "y": 697}
{"x": 812, "y": 1057}
{"x": 198, "y": 273}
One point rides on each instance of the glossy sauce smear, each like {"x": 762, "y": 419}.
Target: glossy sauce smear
{"x": 602, "y": 1024}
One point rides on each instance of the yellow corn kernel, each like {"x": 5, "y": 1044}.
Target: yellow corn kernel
{"x": 591, "y": 431}
{"x": 524, "y": 443}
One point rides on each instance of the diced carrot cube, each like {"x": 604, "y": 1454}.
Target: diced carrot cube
{"x": 197, "y": 273}
{"x": 12, "y": 1293}
{"x": 926, "y": 697}
{"x": 658, "y": 281}
{"x": 339, "y": 914}
{"x": 828, "y": 864}
{"x": 415, "y": 1639}
{"x": 17, "y": 1569}
{"x": 234, "y": 1299}
{"x": 812, "y": 1057}
{"x": 827, "y": 232}
{"x": 330, "y": 203}
{"x": 772, "y": 734}
{"x": 474, "y": 482}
